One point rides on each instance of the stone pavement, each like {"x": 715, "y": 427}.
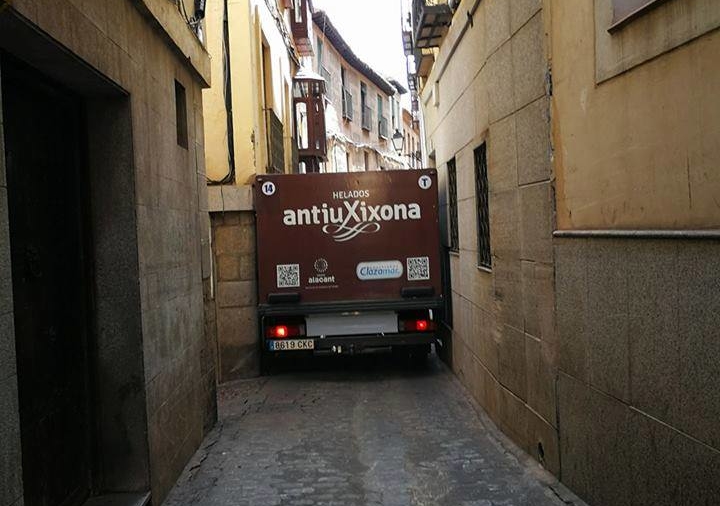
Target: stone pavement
{"x": 359, "y": 431}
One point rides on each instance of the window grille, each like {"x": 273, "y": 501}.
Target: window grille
{"x": 276, "y": 144}
{"x": 483, "y": 207}
{"x": 453, "y": 206}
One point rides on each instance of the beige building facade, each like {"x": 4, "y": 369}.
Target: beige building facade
{"x": 256, "y": 48}
{"x": 107, "y": 378}
{"x": 412, "y": 144}
{"x": 636, "y": 249}
{"x": 577, "y": 144}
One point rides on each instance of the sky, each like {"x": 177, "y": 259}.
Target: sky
{"x": 372, "y": 28}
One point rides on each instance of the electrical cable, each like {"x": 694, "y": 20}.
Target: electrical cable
{"x": 229, "y": 178}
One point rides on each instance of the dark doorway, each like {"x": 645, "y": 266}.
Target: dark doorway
{"x": 44, "y": 161}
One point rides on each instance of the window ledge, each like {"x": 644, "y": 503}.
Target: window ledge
{"x": 618, "y": 24}
{"x": 482, "y": 268}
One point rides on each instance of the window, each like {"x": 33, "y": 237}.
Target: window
{"x": 181, "y": 115}
{"x": 625, "y": 10}
{"x": 381, "y": 119}
{"x": 453, "y": 206}
{"x": 347, "y": 103}
{"x": 319, "y": 55}
{"x": 365, "y": 111}
{"x": 483, "y": 207}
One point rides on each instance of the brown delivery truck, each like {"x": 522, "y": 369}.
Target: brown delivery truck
{"x": 349, "y": 262}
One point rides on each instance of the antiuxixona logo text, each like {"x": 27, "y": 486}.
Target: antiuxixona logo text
{"x": 352, "y": 219}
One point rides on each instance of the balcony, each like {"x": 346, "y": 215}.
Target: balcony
{"x": 367, "y": 118}
{"x": 300, "y": 27}
{"x": 424, "y": 60}
{"x": 431, "y": 19}
{"x": 383, "y": 128}
{"x": 347, "y": 105}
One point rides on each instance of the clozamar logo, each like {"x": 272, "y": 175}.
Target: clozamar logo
{"x": 352, "y": 218}
{"x": 386, "y": 269}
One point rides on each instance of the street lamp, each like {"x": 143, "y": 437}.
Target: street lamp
{"x": 398, "y": 141}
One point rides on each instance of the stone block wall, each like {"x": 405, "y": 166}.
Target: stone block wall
{"x": 488, "y": 86}
{"x": 235, "y": 310}
{"x": 138, "y": 49}
{"x": 639, "y": 369}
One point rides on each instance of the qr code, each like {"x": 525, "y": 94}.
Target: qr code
{"x": 418, "y": 268}
{"x": 288, "y": 276}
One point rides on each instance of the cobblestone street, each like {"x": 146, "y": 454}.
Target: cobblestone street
{"x": 359, "y": 431}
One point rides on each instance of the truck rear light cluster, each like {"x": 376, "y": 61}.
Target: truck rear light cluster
{"x": 416, "y": 325}
{"x": 285, "y": 331}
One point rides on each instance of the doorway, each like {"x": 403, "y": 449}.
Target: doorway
{"x": 45, "y": 156}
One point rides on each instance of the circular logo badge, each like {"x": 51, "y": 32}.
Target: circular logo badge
{"x": 321, "y": 265}
{"x": 425, "y": 182}
{"x": 269, "y": 188}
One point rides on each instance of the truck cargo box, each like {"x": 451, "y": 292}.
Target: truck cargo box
{"x": 364, "y": 244}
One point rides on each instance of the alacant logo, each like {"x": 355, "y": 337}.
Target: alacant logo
{"x": 352, "y": 219}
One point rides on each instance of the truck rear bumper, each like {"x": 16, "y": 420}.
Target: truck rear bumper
{"x": 365, "y": 343}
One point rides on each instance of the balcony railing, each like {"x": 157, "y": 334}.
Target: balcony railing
{"x": 383, "y": 127}
{"x": 347, "y": 105}
{"x": 431, "y": 19}
{"x": 367, "y": 118}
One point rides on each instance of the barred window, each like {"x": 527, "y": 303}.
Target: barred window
{"x": 483, "y": 207}
{"x": 453, "y": 206}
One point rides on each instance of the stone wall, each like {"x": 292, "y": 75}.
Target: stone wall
{"x": 640, "y": 368}
{"x": 235, "y": 294}
{"x": 488, "y": 85}
{"x": 138, "y": 50}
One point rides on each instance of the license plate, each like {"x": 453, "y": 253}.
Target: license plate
{"x": 291, "y": 345}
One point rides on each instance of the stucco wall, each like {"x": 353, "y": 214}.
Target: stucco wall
{"x": 144, "y": 47}
{"x": 639, "y": 150}
{"x": 251, "y": 25}
{"x": 488, "y": 85}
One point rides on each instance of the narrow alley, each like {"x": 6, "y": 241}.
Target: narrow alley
{"x": 234, "y": 235}
{"x": 361, "y": 431}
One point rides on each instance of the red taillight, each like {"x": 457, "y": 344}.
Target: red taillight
{"x": 279, "y": 331}
{"x": 284, "y": 331}
{"x": 413, "y": 325}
